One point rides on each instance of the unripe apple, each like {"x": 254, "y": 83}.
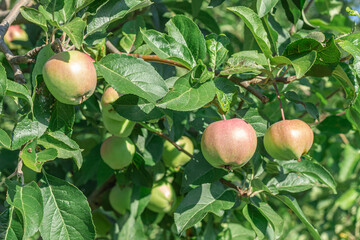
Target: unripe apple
{"x": 117, "y": 152}
{"x": 174, "y": 158}
{"x": 101, "y": 222}
{"x": 15, "y": 33}
{"x": 162, "y": 198}
{"x": 288, "y": 139}
{"x": 228, "y": 143}
{"x": 120, "y": 198}
{"x": 118, "y": 128}
{"x": 70, "y": 77}
{"x": 110, "y": 95}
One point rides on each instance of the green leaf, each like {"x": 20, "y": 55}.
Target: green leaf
{"x": 198, "y": 171}
{"x": 41, "y": 59}
{"x": 10, "y": 225}
{"x": 18, "y": 90}
{"x": 130, "y": 75}
{"x": 34, "y": 159}
{"x": 225, "y": 92}
{"x": 292, "y": 182}
{"x": 133, "y": 229}
{"x": 327, "y": 57}
{"x": 348, "y": 199}
{"x": 75, "y": 31}
{"x": 67, "y": 213}
{"x": 294, "y": 206}
{"x": 3, "y": 85}
{"x": 340, "y": 75}
{"x": 34, "y": 16}
{"x": 167, "y": 47}
{"x": 136, "y": 109}
{"x": 309, "y": 107}
{"x": 263, "y": 7}
{"x": 270, "y": 215}
{"x": 216, "y": 47}
{"x": 4, "y": 139}
{"x": 253, "y": 22}
{"x": 132, "y": 37}
{"x": 62, "y": 118}
{"x": 26, "y": 130}
{"x": 187, "y": 97}
{"x": 312, "y": 168}
{"x": 186, "y": 32}
{"x": 239, "y": 63}
{"x": 28, "y": 200}
{"x": 140, "y": 198}
{"x": 197, "y": 203}
{"x": 239, "y": 232}
{"x": 348, "y": 164}
{"x": 252, "y": 116}
{"x": 57, "y": 12}
{"x": 303, "y": 62}
{"x": 66, "y": 147}
{"x": 258, "y": 222}
{"x": 111, "y": 11}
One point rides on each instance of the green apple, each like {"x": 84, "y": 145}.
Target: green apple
{"x": 70, "y": 77}
{"x": 228, "y": 143}
{"x": 118, "y": 128}
{"x": 174, "y": 158}
{"x": 162, "y": 198}
{"x": 117, "y": 152}
{"x": 288, "y": 139}
{"x": 120, "y": 198}
{"x": 15, "y": 33}
{"x": 101, "y": 222}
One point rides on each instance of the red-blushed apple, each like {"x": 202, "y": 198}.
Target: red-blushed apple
{"x": 117, "y": 152}
{"x": 15, "y": 33}
{"x": 70, "y": 77}
{"x": 162, "y": 197}
{"x": 228, "y": 143}
{"x": 174, "y": 158}
{"x": 288, "y": 139}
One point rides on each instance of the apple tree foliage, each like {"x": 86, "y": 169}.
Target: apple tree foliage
{"x": 180, "y": 65}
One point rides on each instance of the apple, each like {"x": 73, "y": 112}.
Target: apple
{"x": 15, "y": 33}
{"x": 70, "y": 77}
{"x": 109, "y": 96}
{"x": 118, "y": 128}
{"x": 174, "y": 158}
{"x": 101, "y": 222}
{"x": 162, "y": 198}
{"x": 117, "y": 152}
{"x": 288, "y": 139}
{"x": 120, "y": 198}
{"x": 228, "y": 143}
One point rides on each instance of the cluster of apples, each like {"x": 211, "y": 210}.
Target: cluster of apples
{"x": 71, "y": 78}
{"x": 232, "y": 143}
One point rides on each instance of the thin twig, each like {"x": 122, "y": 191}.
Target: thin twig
{"x": 167, "y": 138}
{"x": 278, "y": 96}
{"x": 93, "y": 199}
{"x": 153, "y": 58}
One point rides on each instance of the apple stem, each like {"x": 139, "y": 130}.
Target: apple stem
{"x": 223, "y": 116}
{"x": 278, "y": 96}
